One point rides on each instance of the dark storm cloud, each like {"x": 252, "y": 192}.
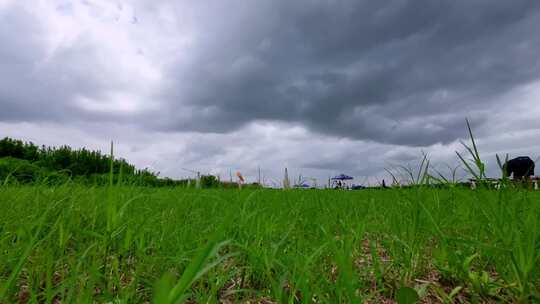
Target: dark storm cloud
{"x": 394, "y": 72}
{"x": 400, "y": 72}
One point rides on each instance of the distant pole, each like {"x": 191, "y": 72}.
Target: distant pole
{"x": 259, "y": 178}
{"x": 198, "y": 181}
{"x": 286, "y": 181}
{"x": 111, "y": 176}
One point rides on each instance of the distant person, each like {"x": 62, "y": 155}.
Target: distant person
{"x": 520, "y": 167}
{"x": 383, "y": 184}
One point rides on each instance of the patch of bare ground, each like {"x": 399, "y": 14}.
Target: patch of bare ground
{"x": 260, "y": 300}
{"x": 365, "y": 264}
{"x": 125, "y": 272}
{"x": 432, "y": 288}
{"x": 438, "y": 290}
{"x": 237, "y": 288}
{"x": 24, "y": 282}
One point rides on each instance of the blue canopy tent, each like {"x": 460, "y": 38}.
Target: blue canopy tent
{"x": 339, "y": 181}
{"x": 342, "y": 177}
{"x": 303, "y": 186}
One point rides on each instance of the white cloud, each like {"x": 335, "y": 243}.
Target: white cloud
{"x": 85, "y": 72}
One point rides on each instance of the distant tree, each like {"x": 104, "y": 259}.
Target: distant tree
{"x": 209, "y": 181}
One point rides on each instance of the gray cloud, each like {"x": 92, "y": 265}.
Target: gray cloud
{"x": 318, "y": 86}
{"x": 399, "y": 72}
{"x": 396, "y": 72}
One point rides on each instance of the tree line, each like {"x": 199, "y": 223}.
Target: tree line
{"x": 75, "y": 162}
{"x": 26, "y": 162}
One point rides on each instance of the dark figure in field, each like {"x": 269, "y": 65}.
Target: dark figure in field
{"x": 522, "y": 166}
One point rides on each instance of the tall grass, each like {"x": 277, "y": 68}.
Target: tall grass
{"x": 475, "y": 166}
{"x": 175, "y": 245}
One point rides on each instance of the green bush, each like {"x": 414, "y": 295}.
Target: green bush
{"x": 22, "y": 171}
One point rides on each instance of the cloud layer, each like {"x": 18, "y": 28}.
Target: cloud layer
{"x": 240, "y": 84}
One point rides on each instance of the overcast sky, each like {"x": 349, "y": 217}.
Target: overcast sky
{"x": 320, "y": 87}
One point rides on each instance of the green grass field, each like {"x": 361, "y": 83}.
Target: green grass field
{"x": 80, "y": 244}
